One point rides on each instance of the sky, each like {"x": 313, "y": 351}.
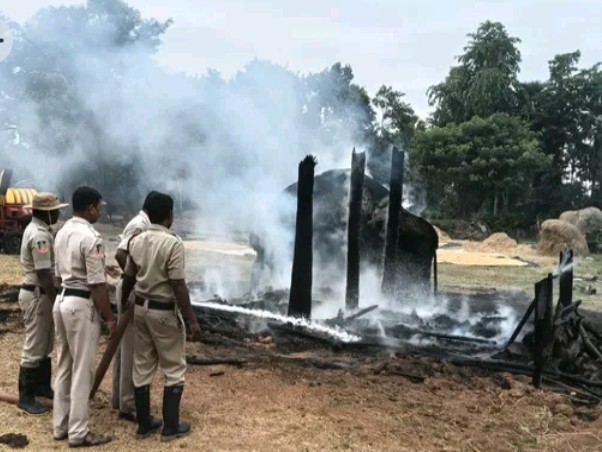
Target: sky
{"x": 407, "y": 44}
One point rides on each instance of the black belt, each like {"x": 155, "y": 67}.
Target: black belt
{"x": 158, "y": 305}
{"x": 76, "y": 293}
{"x": 32, "y": 288}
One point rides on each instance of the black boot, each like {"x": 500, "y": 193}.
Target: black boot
{"x": 27, "y": 390}
{"x": 43, "y": 388}
{"x": 147, "y": 424}
{"x": 172, "y": 427}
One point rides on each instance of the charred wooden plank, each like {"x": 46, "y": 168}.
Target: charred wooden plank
{"x": 565, "y": 277}
{"x": 544, "y": 326}
{"x": 301, "y": 278}
{"x": 358, "y": 166}
{"x": 393, "y": 217}
{"x": 520, "y": 325}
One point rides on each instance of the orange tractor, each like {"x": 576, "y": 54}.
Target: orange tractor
{"x": 14, "y": 216}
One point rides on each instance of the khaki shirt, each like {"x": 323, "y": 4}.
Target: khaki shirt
{"x": 37, "y": 250}
{"x": 79, "y": 255}
{"x": 156, "y": 257}
{"x": 138, "y": 224}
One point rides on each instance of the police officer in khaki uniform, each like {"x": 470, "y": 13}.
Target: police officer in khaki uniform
{"x": 79, "y": 310}
{"x": 123, "y": 364}
{"x": 36, "y": 297}
{"x": 156, "y": 267}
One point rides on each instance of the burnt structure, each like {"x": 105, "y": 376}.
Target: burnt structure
{"x": 416, "y": 243}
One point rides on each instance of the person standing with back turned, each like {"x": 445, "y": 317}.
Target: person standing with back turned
{"x": 124, "y": 358}
{"x": 36, "y": 298}
{"x": 78, "y": 313}
{"x": 156, "y": 267}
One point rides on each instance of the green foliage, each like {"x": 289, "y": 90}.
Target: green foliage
{"x": 485, "y": 82}
{"x": 566, "y": 111}
{"x": 480, "y": 165}
{"x": 507, "y": 152}
{"x": 395, "y": 126}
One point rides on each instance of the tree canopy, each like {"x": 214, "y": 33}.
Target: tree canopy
{"x": 495, "y": 146}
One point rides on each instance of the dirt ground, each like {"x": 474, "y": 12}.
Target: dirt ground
{"x": 281, "y": 403}
{"x": 269, "y": 405}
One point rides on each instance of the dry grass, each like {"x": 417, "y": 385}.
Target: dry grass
{"x": 10, "y": 271}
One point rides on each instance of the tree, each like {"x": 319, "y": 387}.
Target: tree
{"x": 58, "y": 60}
{"x": 335, "y": 104}
{"x": 480, "y": 166}
{"x": 485, "y": 82}
{"x": 395, "y": 127}
{"x": 566, "y": 114}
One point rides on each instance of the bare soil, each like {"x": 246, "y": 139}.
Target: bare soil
{"x": 273, "y": 404}
{"x": 282, "y": 402}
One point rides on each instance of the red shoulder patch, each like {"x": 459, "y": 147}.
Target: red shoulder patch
{"x": 42, "y": 247}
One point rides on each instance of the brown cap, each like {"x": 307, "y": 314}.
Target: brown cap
{"x": 46, "y": 201}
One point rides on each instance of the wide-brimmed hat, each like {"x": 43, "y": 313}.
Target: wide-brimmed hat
{"x": 45, "y": 201}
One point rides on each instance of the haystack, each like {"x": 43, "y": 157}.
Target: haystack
{"x": 555, "y": 235}
{"x": 587, "y": 220}
{"x": 499, "y": 242}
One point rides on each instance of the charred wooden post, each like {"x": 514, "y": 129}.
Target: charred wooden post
{"x": 393, "y": 220}
{"x": 544, "y": 326}
{"x": 521, "y": 324}
{"x": 358, "y": 166}
{"x": 301, "y": 278}
{"x": 565, "y": 277}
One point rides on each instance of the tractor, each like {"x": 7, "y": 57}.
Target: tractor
{"x": 14, "y": 215}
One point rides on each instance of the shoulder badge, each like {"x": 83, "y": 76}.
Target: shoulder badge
{"x": 42, "y": 246}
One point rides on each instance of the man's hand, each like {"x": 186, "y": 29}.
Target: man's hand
{"x": 195, "y": 332}
{"x": 112, "y": 326}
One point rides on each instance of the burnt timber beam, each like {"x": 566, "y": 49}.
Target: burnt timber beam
{"x": 358, "y": 167}
{"x": 391, "y": 266}
{"x": 301, "y": 277}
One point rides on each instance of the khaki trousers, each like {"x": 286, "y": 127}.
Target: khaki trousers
{"x": 123, "y": 362}
{"x": 36, "y": 313}
{"x": 160, "y": 341}
{"x": 77, "y": 326}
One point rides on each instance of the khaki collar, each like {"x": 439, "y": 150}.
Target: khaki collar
{"x": 81, "y": 221}
{"x": 40, "y": 224}
{"x": 158, "y": 227}
{"x": 144, "y": 216}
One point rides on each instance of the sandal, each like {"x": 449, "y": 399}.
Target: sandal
{"x": 91, "y": 440}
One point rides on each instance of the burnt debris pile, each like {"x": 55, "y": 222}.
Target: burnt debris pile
{"x": 550, "y": 341}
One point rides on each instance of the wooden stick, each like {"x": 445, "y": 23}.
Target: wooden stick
{"x": 200, "y": 361}
{"x": 521, "y": 324}
{"x": 13, "y": 399}
{"x": 112, "y": 346}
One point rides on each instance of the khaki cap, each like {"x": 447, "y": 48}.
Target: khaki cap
{"x": 45, "y": 201}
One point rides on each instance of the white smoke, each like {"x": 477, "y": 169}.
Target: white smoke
{"x": 80, "y": 92}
